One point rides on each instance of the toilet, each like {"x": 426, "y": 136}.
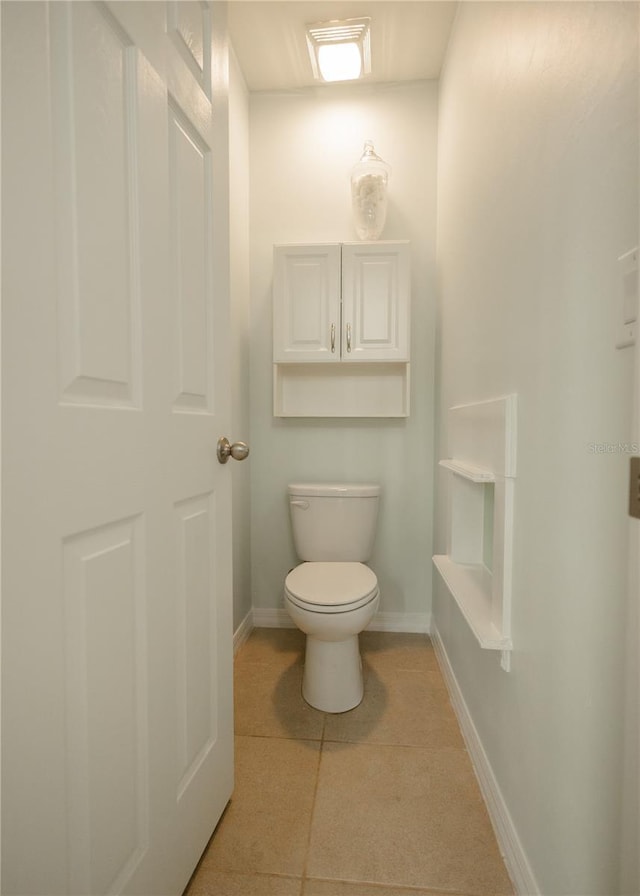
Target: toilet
{"x": 332, "y": 596}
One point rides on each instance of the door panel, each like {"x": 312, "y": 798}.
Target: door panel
{"x": 117, "y": 638}
{"x": 189, "y": 23}
{"x": 106, "y": 704}
{"x": 196, "y": 626}
{"x": 191, "y": 248}
{"x": 93, "y": 89}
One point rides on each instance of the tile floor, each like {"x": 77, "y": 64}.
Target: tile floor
{"x": 378, "y": 801}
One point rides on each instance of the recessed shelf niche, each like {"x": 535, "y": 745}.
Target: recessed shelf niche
{"x": 477, "y": 566}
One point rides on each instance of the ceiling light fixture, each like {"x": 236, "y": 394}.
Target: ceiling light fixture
{"x": 340, "y": 50}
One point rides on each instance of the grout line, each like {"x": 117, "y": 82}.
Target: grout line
{"x": 396, "y": 888}
{"x": 299, "y": 738}
{"x": 394, "y": 744}
{"x": 307, "y": 854}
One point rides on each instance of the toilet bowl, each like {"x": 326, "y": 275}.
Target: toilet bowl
{"x": 332, "y": 600}
{"x": 332, "y": 603}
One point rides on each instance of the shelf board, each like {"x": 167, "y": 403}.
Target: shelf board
{"x": 470, "y": 586}
{"x": 468, "y": 471}
{"x": 354, "y": 389}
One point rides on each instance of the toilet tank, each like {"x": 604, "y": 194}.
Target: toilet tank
{"x": 333, "y": 521}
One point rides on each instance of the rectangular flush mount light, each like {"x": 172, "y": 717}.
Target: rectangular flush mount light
{"x": 340, "y": 50}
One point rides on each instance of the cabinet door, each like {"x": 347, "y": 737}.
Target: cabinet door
{"x": 375, "y": 301}
{"x": 306, "y": 306}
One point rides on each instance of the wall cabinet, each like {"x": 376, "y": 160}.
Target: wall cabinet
{"x": 341, "y": 302}
{"x": 346, "y": 305}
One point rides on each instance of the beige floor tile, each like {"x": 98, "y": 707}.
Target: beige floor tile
{"x": 400, "y": 706}
{"x": 398, "y": 650}
{"x": 346, "y": 888}
{"x": 269, "y": 703}
{"x": 265, "y": 828}
{"x": 224, "y": 883}
{"x": 403, "y": 816}
{"x": 272, "y": 645}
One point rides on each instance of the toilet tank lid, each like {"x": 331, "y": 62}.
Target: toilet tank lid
{"x": 334, "y": 489}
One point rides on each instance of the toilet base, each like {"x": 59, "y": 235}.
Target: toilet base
{"x": 332, "y": 679}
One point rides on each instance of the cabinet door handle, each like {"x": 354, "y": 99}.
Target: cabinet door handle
{"x": 333, "y": 338}
{"x": 348, "y": 337}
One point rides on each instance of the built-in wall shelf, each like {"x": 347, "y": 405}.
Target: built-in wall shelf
{"x": 341, "y": 390}
{"x": 477, "y": 566}
{"x": 471, "y": 586}
{"x": 468, "y": 471}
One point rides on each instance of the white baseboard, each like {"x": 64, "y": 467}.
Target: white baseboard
{"x": 509, "y": 843}
{"x": 401, "y": 622}
{"x": 382, "y": 622}
{"x": 264, "y": 617}
{"x": 243, "y": 631}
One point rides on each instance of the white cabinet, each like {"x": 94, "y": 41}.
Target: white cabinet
{"x": 341, "y": 329}
{"x": 344, "y": 302}
{"x": 306, "y": 303}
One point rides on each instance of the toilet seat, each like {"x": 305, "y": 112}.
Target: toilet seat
{"x": 325, "y": 587}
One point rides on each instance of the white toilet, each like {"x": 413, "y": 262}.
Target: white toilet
{"x": 332, "y": 596}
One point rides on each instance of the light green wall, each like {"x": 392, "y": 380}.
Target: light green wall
{"x": 303, "y": 145}
{"x": 538, "y": 196}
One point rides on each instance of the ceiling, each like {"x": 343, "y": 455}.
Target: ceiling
{"x": 408, "y": 38}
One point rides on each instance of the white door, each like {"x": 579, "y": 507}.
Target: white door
{"x": 117, "y": 632}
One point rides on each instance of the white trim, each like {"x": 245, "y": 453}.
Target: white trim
{"x": 468, "y": 471}
{"x": 382, "y": 622}
{"x": 242, "y": 632}
{"x": 267, "y": 617}
{"x": 401, "y": 622}
{"x": 506, "y": 834}
{"x": 482, "y": 443}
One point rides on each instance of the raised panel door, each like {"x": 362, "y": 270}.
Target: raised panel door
{"x": 116, "y": 615}
{"x": 306, "y": 319}
{"x": 375, "y": 301}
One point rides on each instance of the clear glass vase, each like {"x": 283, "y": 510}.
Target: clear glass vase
{"x": 369, "y": 179}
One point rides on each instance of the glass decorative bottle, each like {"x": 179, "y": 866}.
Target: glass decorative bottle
{"x": 369, "y": 179}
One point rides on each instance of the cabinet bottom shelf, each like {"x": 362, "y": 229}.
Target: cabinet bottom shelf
{"x": 356, "y": 389}
{"x": 470, "y": 586}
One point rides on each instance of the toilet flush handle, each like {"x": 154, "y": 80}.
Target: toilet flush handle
{"x": 303, "y": 505}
